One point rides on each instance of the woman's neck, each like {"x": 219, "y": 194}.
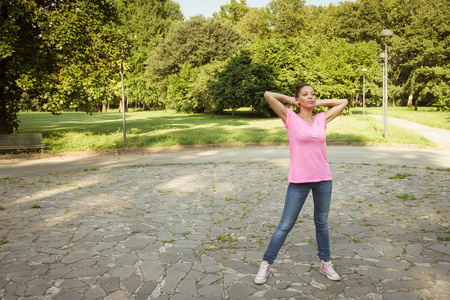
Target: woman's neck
{"x": 306, "y": 115}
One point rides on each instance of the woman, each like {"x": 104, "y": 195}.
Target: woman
{"x": 309, "y": 170}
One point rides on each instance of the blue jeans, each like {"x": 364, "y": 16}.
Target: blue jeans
{"x": 295, "y": 198}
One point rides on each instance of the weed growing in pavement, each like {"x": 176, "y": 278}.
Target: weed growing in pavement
{"x": 354, "y": 240}
{"x": 400, "y": 176}
{"x": 226, "y": 238}
{"x": 405, "y": 196}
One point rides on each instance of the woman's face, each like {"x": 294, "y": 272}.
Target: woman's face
{"x": 307, "y": 97}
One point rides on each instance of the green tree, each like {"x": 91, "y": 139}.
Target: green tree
{"x": 190, "y": 90}
{"x": 242, "y": 83}
{"x": 65, "y": 54}
{"x": 232, "y": 12}
{"x": 17, "y": 44}
{"x": 145, "y": 22}
{"x": 325, "y": 22}
{"x": 418, "y": 52}
{"x": 287, "y": 17}
{"x": 358, "y": 21}
{"x": 333, "y": 68}
{"x": 254, "y": 25}
{"x": 430, "y": 85}
{"x": 86, "y": 48}
{"x": 179, "y": 88}
{"x": 363, "y": 20}
{"x": 421, "y": 53}
{"x": 195, "y": 42}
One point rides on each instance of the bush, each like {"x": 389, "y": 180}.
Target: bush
{"x": 178, "y": 89}
{"x": 190, "y": 90}
{"x": 242, "y": 83}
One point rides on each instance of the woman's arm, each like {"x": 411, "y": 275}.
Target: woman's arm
{"x": 275, "y": 101}
{"x": 338, "y": 106}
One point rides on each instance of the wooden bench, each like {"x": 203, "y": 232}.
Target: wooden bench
{"x": 27, "y": 141}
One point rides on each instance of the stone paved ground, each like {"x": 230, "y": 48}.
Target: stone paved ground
{"x": 198, "y": 231}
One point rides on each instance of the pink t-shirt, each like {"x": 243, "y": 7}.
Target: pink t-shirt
{"x": 308, "y": 149}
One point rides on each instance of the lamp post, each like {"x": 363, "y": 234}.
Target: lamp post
{"x": 123, "y": 104}
{"x": 127, "y": 100}
{"x": 386, "y": 33}
{"x": 364, "y": 70}
{"x": 383, "y": 115}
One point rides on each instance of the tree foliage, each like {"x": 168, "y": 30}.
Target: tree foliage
{"x": 145, "y": 23}
{"x": 232, "y": 12}
{"x": 65, "y": 54}
{"x": 242, "y": 83}
{"x": 287, "y": 17}
{"x": 254, "y": 25}
{"x": 333, "y": 68}
{"x": 330, "y": 51}
{"x": 85, "y": 47}
{"x": 196, "y": 42}
{"x": 17, "y": 44}
{"x": 190, "y": 90}
{"x": 418, "y": 52}
{"x": 421, "y": 53}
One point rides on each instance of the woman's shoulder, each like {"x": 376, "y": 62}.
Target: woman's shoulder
{"x": 320, "y": 116}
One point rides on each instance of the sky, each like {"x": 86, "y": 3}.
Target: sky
{"x": 191, "y": 8}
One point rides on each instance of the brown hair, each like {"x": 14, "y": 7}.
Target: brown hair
{"x": 299, "y": 86}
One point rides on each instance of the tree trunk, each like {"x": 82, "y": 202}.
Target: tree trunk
{"x": 3, "y": 114}
{"x": 416, "y": 104}
{"x": 104, "y": 109}
{"x": 410, "y": 100}
{"x": 3, "y": 118}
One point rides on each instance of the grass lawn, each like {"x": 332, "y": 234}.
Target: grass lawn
{"x": 424, "y": 115}
{"x": 73, "y": 131}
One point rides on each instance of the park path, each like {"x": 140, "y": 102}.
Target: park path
{"x": 437, "y": 135}
{"x": 193, "y": 224}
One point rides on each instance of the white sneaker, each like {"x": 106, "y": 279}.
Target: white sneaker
{"x": 327, "y": 269}
{"x": 263, "y": 272}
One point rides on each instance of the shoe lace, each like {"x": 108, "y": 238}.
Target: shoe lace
{"x": 263, "y": 269}
{"x": 329, "y": 268}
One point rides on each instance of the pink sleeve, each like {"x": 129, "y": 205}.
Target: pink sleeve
{"x": 288, "y": 117}
{"x": 322, "y": 118}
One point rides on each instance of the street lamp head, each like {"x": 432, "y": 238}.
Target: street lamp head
{"x": 364, "y": 70}
{"x": 382, "y": 56}
{"x": 386, "y": 34}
